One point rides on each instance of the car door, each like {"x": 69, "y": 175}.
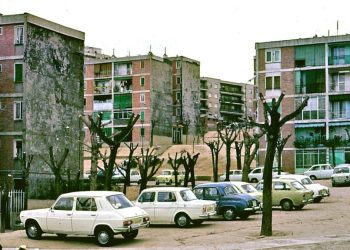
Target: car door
{"x": 280, "y": 190}
{"x": 165, "y": 207}
{"x": 84, "y": 215}
{"x": 134, "y": 176}
{"x": 59, "y": 218}
{"x": 146, "y": 202}
{"x": 327, "y": 171}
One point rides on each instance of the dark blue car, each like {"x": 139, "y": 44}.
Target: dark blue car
{"x": 230, "y": 203}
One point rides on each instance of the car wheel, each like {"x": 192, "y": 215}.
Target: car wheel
{"x": 33, "y": 230}
{"x": 104, "y": 236}
{"x": 254, "y": 180}
{"x": 182, "y": 220}
{"x": 130, "y": 235}
{"x": 61, "y": 235}
{"x": 139, "y": 182}
{"x": 197, "y": 222}
{"x": 229, "y": 213}
{"x": 317, "y": 199}
{"x": 287, "y": 205}
{"x": 157, "y": 183}
{"x": 170, "y": 182}
{"x": 299, "y": 207}
{"x": 312, "y": 177}
{"x": 334, "y": 184}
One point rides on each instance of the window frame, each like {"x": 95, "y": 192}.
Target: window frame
{"x": 15, "y": 73}
{"x": 273, "y": 80}
{"x": 178, "y": 80}
{"x": 142, "y": 64}
{"x": 19, "y": 41}
{"x": 142, "y": 81}
{"x": 178, "y": 64}
{"x": 0, "y": 68}
{"x": 15, "y": 103}
{"x": 178, "y": 96}
{"x": 273, "y": 53}
{"x": 142, "y": 97}
{"x": 16, "y": 154}
{"x": 1, "y": 31}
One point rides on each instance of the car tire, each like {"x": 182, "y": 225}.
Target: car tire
{"x": 244, "y": 216}
{"x": 312, "y": 177}
{"x": 317, "y": 199}
{"x": 33, "y": 230}
{"x": 157, "y": 183}
{"x": 334, "y": 184}
{"x": 197, "y": 222}
{"x": 182, "y": 220}
{"x": 287, "y": 205}
{"x": 130, "y": 235}
{"x": 229, "y": 213}
{"x": 299, "y": 207}
{"x": 104, "y": 236}
{"x": 139, "y": 182}
{"x": 61, "y": 236}
{"x": 170, "y": 182}
{"x": 254, "y": 180}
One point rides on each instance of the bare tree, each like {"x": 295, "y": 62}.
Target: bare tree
{"x": 189, "y": 162}
{"x": 332, "y": 144}
{"x": 238, "y": 148}
{"x": 56, "y": 168}
{"x": 148, "y": 164}
{"x": 281, "y": 142}
{"x": 175, "y": 165}
{"x": 26, "y": 162}
{"x": 215, "y": 147}
{"x": 153, "y": 124}
{"x": 272, "y": 125}
{"x": 228, "y": 135}
{"x": 131, "y": 161}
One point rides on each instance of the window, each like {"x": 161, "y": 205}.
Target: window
{"x": 215, "y": 86}
{"x": 142, "y": 81}
{"x": 142, "y": 98}
{"x": 142, "y": 64}
{"x": 338, "y": 82}
{"x": 119, "y": 201}
{"x": 147, "y": 197}
{"x": 0, "y": 31}
{"x": 211, "y": 193}
{"x": 64, "y": 204}
{"x": 17, "y": 149}
{"x": 17, "y": 110}
{"x": 215, "y": 105}
{"x": 18, "y": 73}
{"x": 178, "y": 96}
{"x": 166, "y": 197}
{"x": 178, "y": 112}
{"x": 142, "y": 115}
{"x": 273, "y": 82}
{"x": 272, "y": 56}
{"x": 86, "y": 204}
{"x": 315, "y": 108}
{"x": 178, "y": 80}
{"x": 209, "y": 95}
{"x": 216, "y": 96}
{"x": 178, "y": 64}
{"x": 18, "y": 34}
{"x": 209, "y": 104}
{"x": 310, "y": 81}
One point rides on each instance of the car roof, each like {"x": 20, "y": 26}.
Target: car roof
{"x": 343, "y": 165}
{"x": 239, "y": 182}
{"x": 90, "y": 193}
{"x": 293, "y": 176}
{"x": 281, "y": 180}
{"x": 165, "y": 189}
{"x": 214, "y": 184}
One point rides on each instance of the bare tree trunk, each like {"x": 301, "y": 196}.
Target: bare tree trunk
{"x": 238, "y": 148}
{"x": 109, "y": 170}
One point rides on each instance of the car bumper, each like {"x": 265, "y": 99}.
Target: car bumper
{"x": 252, "y": 209}
{"x": 130, "y": 228}
{"x": 207, "y": 215}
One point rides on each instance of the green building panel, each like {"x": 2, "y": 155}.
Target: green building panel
{"x": 122, "y": 101}
{"x": 310, "y": 55}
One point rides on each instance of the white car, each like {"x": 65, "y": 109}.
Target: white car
{"x": 235, "y": 175}
{"x": 179, "y": 205}
{"x": 119, "y": 175}
{"x": 341, "y": 175}
{"x": 320, "y": 171}
{"x": 99, "y": 213}
{"x": 246, "y": 188}
{"x": 257, "y": 174}
{"x": 319, "y": 190}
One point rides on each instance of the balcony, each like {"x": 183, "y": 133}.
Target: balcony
{"x": 100, "y": 106}
{"x": 123, "y": 69}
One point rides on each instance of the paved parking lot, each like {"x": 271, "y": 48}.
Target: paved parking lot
{"x": 324, "y": 226}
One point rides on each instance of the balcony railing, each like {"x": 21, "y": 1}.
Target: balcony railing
{"x": 340, "y": 115}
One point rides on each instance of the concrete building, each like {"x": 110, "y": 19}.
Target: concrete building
{"x": 224, "y": 100}
{"x": 41, "y": 96}
{"x": 164, "y": 91}
{"x": 317, "y": 67}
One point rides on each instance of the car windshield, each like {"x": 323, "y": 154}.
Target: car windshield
{"x": 188, "y": 195}
{"x": 248, "y": 188}
{"x": 340, "y": 170}
{"x": 306, "y": 181}
{"x": 229, "y": 190}
{"x": 297, "y": 185}
{"x": 119, "y": 201}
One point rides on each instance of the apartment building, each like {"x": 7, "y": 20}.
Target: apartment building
{"x": 162, "y": 90}
{"x": 41, "y": 96}
{"x": 225, "y": 101}
{"x": 319, "y": 68}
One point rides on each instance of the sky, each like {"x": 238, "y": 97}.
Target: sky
{"x": 220, "y": 34}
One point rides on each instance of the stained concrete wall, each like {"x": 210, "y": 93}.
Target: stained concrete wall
{"x": 53, "y": 97}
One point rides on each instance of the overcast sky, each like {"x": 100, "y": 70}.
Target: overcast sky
{"x": 221, "y": 34}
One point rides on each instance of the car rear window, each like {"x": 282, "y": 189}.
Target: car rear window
{"x": 119, "y": 201}
{"x": 188, "y": 195}
{"x": 341, "y": 170}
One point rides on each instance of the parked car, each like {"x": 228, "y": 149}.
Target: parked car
{"x": 320, "y": 171}
{"x": 235, "y": 175}
{"x": 341, "y": 175}
{"x": 257, "y": 174}
{"x": 168, "y": 177}
{"x": 119, "y": 175}
{"x": 319, "y": 190}
{"x": 247, "y": 188}
{"x": 230, "y": 203}
{"x": 99, "y": 213}
{"x": 179, "y": 205}
{"x": 288, "y": 194}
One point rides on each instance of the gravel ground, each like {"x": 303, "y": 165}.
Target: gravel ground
{"x": 317, "y": 226}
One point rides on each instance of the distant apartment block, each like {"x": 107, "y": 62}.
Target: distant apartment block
{"x": 41, "y": 96}
{"x": 225, "y": 101}
{"x": 317, "y": 67}
{"x": 164, "y": 91}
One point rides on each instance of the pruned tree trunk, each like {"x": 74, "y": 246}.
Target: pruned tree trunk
{"x": 238, "y": 148}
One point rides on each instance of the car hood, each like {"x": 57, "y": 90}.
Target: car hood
{"x": 315, "y": 187}
{"x": 131, "y": 212}
{"x": 34, "y": 211}
{"x": 340, "y": 175}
